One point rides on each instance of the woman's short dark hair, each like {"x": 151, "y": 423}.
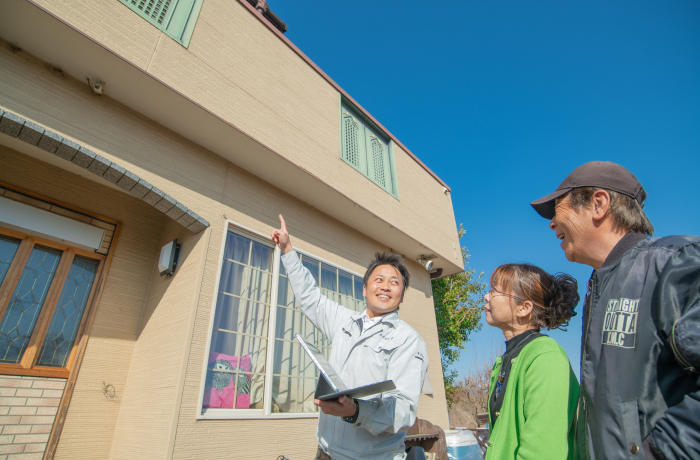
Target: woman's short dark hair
{"x": 388, "y": 258}
{"x": 554, "y": 296}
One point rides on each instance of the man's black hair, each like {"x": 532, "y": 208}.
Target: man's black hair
{"x": 388, "y": 258}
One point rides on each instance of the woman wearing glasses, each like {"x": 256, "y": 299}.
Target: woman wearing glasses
{"x": 533, "y": 391}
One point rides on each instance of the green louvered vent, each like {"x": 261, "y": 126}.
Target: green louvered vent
{"x": 176, "y": 18}
{"x": 366, "y": 148}
{"x": 378, "y": 160}
{"x": 155, "y": 9}
{"x": 352, "y": 150}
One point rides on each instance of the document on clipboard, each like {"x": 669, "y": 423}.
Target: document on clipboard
{"x": 329, "y": 385}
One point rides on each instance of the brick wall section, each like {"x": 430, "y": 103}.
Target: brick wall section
{"x": 28, "y": 408}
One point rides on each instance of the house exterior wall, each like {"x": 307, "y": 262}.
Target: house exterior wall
{"x": 150, "y": 333}
{"x": 148, "y": 410}
{"x": 239, "y": 70}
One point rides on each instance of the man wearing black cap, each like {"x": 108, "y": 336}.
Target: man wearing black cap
{"x": 640, "y": 353}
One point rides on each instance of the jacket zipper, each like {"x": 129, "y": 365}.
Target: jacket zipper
{"x": 589, "y": 293}
{"x": 676, "y": 353}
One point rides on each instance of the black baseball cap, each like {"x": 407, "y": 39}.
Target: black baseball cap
{"x": 603, "y": 174}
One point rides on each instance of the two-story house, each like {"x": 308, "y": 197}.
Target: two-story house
{"x": 128, "y": 124}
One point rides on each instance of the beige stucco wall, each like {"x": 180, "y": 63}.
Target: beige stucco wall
{"x": 150, "y": 333}
{"x": 269, "y": 92}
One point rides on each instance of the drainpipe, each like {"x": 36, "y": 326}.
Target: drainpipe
{"x": 436, "y": 274}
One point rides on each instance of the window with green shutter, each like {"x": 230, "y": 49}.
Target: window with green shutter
{"x": 174, "y": 17}
{"x": 367, "y": 149}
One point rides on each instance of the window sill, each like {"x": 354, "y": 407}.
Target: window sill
{"x": 13, "y": 369}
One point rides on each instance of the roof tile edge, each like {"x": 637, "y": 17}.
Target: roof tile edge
{"x": 13, "y": 125}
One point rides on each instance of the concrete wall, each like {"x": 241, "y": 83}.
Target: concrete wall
{"x": 265, "y": 89}
{"x": 150, "y": 333}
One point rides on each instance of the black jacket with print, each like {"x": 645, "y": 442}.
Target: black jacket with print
{"x": 640, "y": 353}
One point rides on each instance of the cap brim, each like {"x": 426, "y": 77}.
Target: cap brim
{"x": 545, "y": 205}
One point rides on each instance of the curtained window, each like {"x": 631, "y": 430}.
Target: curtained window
{"x": 247, "y": 333}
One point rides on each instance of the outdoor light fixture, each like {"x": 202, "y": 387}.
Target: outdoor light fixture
{"x": 428, "y": 264}
{"x": 169, "y": 256}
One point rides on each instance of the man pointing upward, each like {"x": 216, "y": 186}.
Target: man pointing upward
{"x": 367, "y": 348}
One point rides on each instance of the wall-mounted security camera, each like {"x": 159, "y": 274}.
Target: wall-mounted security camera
{"x": 97, "y": 88}
{"x": 169, "y": 257}
{"x": 428, "y": 264}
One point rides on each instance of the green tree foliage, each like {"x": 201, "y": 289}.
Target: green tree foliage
{"x": 458, "y": 300}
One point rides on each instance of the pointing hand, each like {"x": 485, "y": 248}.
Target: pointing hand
{"x": 281, "y": 237}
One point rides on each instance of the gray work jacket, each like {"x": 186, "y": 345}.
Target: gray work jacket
{"x": 389, "y": 350}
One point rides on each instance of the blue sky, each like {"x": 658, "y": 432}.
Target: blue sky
{"x": 502, "y": 99}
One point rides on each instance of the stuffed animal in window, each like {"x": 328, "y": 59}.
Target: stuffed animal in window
{"x": 219, "y": 388}
{"x": 219, "y": 380}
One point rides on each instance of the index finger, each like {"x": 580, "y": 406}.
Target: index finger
{"x": 283, "y": 225}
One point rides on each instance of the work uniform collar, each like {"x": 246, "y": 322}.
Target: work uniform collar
{"x": 390, "y": 318}
{"x": 368, "y": 322}
{"x": 622, "y": 246}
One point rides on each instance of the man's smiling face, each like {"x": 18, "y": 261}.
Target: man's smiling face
{"x": 572, "y": 228}
{"x": 384, "y": 291}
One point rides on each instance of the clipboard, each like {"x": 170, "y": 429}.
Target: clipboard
{"x": 329, "y": 385}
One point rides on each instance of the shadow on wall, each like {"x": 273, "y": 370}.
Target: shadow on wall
{"x": 121, "y": 306}
{"x": 170, "y": 297}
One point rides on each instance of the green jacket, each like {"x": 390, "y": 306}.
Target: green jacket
{"x": 537, "y": 420}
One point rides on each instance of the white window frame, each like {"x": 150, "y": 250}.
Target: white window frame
{"x": 266, "y": 411}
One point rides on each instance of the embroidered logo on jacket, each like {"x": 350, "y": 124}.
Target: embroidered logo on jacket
{"x": 620, "y": 327}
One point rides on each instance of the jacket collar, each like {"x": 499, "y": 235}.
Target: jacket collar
{"x": 625, "y": 244}
{"x": 390, "y": 318}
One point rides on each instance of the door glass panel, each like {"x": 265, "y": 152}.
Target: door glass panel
{"x": 22, "y": 312}
{"x": 68, "y": 313}
{"x": 8, "y": 249}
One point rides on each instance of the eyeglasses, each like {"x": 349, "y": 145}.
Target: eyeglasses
{"x": 493, "y": 289}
